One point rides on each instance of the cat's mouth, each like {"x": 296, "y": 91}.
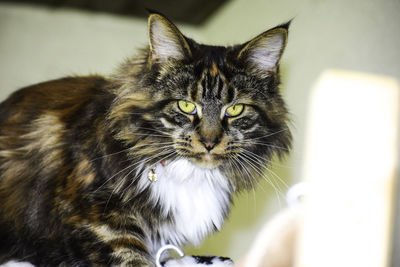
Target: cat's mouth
{"x": 203, "y": 160}
{"x": 206, "y": 160}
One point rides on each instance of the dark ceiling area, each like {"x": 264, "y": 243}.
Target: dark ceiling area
{"x": 186, "y": 11}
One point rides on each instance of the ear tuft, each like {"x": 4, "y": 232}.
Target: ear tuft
{"x": 264, "y": 51}
{"x": 166, "y": 41}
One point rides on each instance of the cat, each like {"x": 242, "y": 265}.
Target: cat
{"x": 99, "y": 171}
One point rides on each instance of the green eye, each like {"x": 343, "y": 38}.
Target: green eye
{"x": 234, "y": 111}
{"x": 187, "y": 107}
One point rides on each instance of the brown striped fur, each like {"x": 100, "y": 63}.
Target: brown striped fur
{"x": 70, "y": 148}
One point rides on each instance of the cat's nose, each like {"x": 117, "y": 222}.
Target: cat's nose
{"x": 209, "y": 144}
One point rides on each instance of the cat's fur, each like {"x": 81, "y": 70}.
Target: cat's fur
{"x": 75, "y": 153}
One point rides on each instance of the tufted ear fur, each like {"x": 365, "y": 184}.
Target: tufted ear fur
{"x": 264, "y": 51}
{"x": 166, "y": 41}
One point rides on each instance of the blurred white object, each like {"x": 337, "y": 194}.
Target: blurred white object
{"x": 164, "y": 249}
{"x": 17, "y": 264}
{"x": 351, "y": 167}
{"x": 296, "y": 193}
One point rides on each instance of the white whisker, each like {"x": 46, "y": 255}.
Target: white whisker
{"x": 135, "y": 167}
{"x": 261, "y": 144}
{"x": 267, "y": 135}
{"x": 250, "y": 176}
{"x": 260, "y": 172}
{"x": 263, "y": 165}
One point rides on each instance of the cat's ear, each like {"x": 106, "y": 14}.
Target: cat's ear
{"x": 264, "y": 51}
{"x": 166, "y": 41}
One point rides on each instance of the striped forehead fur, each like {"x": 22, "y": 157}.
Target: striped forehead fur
{"x": 212, "y": 85}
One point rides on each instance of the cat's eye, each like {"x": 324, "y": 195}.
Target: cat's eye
{"x": 234, "y": 111}
{"x": 187, "y": 107}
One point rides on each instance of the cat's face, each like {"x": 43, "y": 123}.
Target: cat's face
{"x": 215, "y": 117}
{"x": 216, "y": 106}
{"x": 208, "y": 116}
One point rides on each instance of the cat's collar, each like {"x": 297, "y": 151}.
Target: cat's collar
{"x": 152, "y": 175}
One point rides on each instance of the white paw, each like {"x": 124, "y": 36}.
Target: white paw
{"x": 199, "y": 261}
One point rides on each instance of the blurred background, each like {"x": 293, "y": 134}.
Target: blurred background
{"x": 42, "y": 40}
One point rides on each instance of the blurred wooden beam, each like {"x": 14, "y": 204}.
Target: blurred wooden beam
{"x": 184, "y": 11}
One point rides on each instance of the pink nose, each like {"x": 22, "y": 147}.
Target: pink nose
{"x": 209, "y": 144}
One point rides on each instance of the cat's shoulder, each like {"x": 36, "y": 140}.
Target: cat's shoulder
{"x": 54, "y": 94}
{"x": 61, "y": 97}
{"x": 66, "y": 86}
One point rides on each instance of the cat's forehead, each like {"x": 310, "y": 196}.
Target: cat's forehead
{"x": 210, "y": 77}
{"x": 212, "y": 86}
{"x": 212, "y": 55}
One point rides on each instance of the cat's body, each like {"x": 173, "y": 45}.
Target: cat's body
{"x": 80, "y": 156}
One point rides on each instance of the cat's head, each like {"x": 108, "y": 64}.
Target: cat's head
{"x": 219, "y": 107}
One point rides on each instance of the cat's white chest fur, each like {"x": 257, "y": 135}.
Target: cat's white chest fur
{"x": 197, "y": 199}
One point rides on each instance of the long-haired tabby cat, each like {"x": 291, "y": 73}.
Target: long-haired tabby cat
{"x": 98, "y": 171}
